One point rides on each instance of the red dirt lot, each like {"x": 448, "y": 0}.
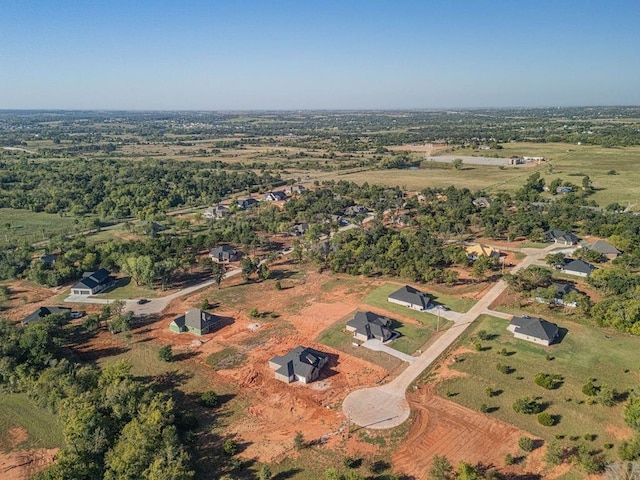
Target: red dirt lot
{"x": 22, "y": 464}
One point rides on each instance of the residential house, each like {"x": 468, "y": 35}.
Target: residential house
{"x": 354, "y": 210}
{"x": 482, "y": 202}
{"x": 45, "y": 312}
{"x": 300, "y": 229}
{"x": 410, "y": 297}
{"x": 579, "y": 268}
{"x": 217, "y": 212}
{"x": 561, "y": 289}
{"x": 49, "y": 259}
{"x": 368, "y": 325}
{"x": 195, "y": 321}
{"x": 93, "y": 282}
{"x": 602, "y": 247}
{"x": 275, "y": 196}
{"x": 534, "y": 330}
{"x": 564, "y": 190}
{"x": 246, "y": 203}
{"x": 223, "y": 254}
{"x": 295, "y": 189}
{"x": 561, "y": 238}
{"x": 302, "y": 364}
{"x": 477, "y": 250}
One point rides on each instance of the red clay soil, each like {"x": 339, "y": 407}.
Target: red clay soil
{"x": 22, "y": 464}
{"x": 442, "y": 427}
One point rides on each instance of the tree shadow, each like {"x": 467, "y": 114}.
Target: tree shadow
{"x": 286, "y": 474}
{"x": 186, "y": 355}
{"x": 97, "y": 354}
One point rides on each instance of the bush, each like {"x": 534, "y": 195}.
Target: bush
{"x": 590, "y": 389}
{"x": 205, "y": 305}
{"x": 506, "y": 369}
{"x": 298, "y": 441}
{"x": 509, "y": 459}
{"x": 545, "y": 419}
{"x": 484, "y": 408}
{"x": 209, "y": 399}
{"x": 527, "y": 406}
{"x": 484, "y": 335}
{"x": 278, "y": 285}
{"x": 477, "y": 346}
{"x": 229, "y": 447}
{"x": 254, "y": 313}
{"x": 607, "y": 446}
{"x": 165, "y": 353}
{"x": 547, "y": 380}
{"x": 526, "y": 444}
{"x": 489, "y": 391}
{"x": 350, "y": 462}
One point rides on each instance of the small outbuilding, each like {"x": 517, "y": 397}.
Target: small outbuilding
{"x": 408, "y": 296}
{"x": 533, "y": 329}
{"x": 302, "y": 364}
{"x": 195, "y": 321}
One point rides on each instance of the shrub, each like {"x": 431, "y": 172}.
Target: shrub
{"x": 607, "y": 446}
{"x": 205, "y": 305}
{"x": 547, "y": 380}
{"x": 489, "y": 391}
{"x": 484, "y": 408}
{"x": 506, "y": 369}
{"x": 484, "y": 335}
{"x": 229, "y": 447}
{"x": 278, "y": 285}
{"x": 590, "y": 389}
{"x": 254, "y": 313}
{"x": 509, "y": 459}
{"x": 527, "y": 406}
{"x": 526, "y": 444}
{"x": 298, "y": 441}
{"x": 165, "y": 353}
{"x": 477, "y": 346}
{"x": 590, "y": 437}
{"x": 350, "y": 462}
{"x": 545, "y": 419}
{"x": 265, "y": 473}
{"x": 209, "y": 399}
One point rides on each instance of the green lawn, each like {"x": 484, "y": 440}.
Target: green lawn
{"x": 584, "y": 353}
{"x": 31, "y": 227}
{"x": 127, "y": 288}
{"x": 43, "y": 429}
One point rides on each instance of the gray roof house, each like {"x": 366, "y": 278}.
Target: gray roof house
{"x": 561, "y": 238}
{"x": 300, "y": 229}
{"x": 579, "y": 268}
{"x": 93, "y": 282}
{"x": 275, "y": 196}
{"x": 45, "y": 312}
{"x": 534, "y": 330}
{"x": 368, "y": 325}
{"x": 219, "y": 211}
{"x": 245, "y": 203}
{"x": 602, "y": 247}
{"x": 223, "y": 254}
{"x": 195, "y": 321}
{"x": 302, "y": 364}
{"x": 355, "y": 210}
{"x": 482, "y": 202}
{"x": 293, "y": 189}
{"x": 410, "y": 297}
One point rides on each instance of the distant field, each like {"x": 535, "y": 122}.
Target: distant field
{"x": 568, "y": 161}
{"x": 43, "y": 429}
{"x": 583, "y": 353}
{"x": 26, "y": 226}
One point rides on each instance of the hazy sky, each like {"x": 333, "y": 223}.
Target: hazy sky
{"x": 322, "y": 54}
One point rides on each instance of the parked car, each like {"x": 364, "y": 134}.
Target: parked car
{"x": 77, "y": 314}
{"x": 142, "y": 301}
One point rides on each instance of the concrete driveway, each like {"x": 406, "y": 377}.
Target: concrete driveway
{"x": 378, "y": 346}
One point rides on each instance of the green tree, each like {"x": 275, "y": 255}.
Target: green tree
{"x": 526, "y": 444}
{"x": 265, "y": 473}
{"x": 165, "y": 353}
{"x": 299, "y": 441}
{"x": 209, "y": 399}
{"x": 217, "y": 272}
{"x": 441, "y": 468}
{"x": 632, "y": 412}
{"x": 457, "y": 163}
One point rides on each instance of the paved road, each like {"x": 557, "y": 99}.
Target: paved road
{"x": 385, "y": 406}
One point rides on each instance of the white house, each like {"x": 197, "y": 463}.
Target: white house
{"x": 534, "y": 330}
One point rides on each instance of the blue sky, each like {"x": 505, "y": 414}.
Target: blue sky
{"x": 214, "y": 55}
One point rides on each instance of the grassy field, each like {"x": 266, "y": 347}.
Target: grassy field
{"x": 127, "y": 288}
{"x": 569, "y": 162}
{"x": 378, "y": 298}
{"x": 43, "y": 429}
{"x": 583, "y": 353}
{"x": 31, "y": 227}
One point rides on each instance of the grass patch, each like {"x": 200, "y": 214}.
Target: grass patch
{"x": 413, "y": 337}
{"x": 43, "y": 429}
{"x": 533, "y": 245}
{"x": 126, "y": 288}
{"x": 18, "y": 226}
{"x": 583, "y": 353}
{"x": 227, "y": 358}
